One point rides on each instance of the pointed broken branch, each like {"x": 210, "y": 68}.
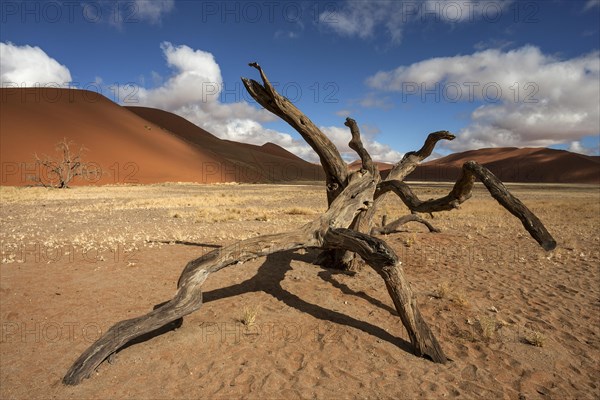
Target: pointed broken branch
{"x": 357, "y": 145}
{"x": 411, "y": 159}
{"x": 334, "y": 166}
{"x": 352, "y": 199}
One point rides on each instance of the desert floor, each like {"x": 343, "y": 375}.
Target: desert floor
{"x": 516, "y": 321}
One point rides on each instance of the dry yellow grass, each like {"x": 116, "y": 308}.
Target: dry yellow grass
{"x": 118, "y": 218}
{"x": 411, "y": 240}
{"x": 105, "y": 217}
{"x": 299, "y": 211}
{"x": 487, "y": 326}
{"x": 535, "y": 338}
{"x": 442, "y": 290}
{"x": 249, "y": 315}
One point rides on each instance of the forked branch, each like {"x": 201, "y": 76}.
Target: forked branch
{"x": 324, "y": 232}
{"x": 411, "y": 160}
{"x": 364, "y": 221}
{"x": 352, "y": 199}
{"x": 462, "y": 191}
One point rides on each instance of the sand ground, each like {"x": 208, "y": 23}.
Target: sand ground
{"x": 517, "y": 322}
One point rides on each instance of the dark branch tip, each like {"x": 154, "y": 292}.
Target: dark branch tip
{"x": 442, "y": 135}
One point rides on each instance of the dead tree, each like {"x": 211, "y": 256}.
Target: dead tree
{"x": 59, "y": 173}
{"x": 352, "y": 198}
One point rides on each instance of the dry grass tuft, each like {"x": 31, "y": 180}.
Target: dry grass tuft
{"x": 460, "y": 298}
{"x": 535, "y": 338}
{"x": 442, "y": 291}
{"x": 262, "y": 218}
{"x": 410, "y": 241}
{"x": 299, "y": 211}
{"x": 249, "y": 315}
{"x": 445, "y": 290}
{"x": 488, "y": 327}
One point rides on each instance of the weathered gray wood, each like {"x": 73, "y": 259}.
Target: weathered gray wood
{"x": 365, "y": 221}
{"x": 532, "y": 224}
{"x": 384, "y": 260}
{"x": 412, "y": 159}
{"x": 395, "y": 225}
{"x": 352, "y": 199}
{"x": 356, "y": 197}
{"x": 357, "y": 145}
{"x": 336, "y": 171}
{"x": 342, "y": 259}
{"x": 187, "y": 300}
{"x": 462, "y": 191}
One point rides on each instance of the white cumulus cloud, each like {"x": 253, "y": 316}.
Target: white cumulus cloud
{"x": 577, "y": 147}
{"x": 527, "y": 98}
{"x": 30, "y": 66}
{"x": 193, "y": 92}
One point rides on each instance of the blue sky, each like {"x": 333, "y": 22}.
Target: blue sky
{"x": 495, "y": 72}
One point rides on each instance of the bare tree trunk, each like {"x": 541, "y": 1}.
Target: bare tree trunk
{"x": 324, "y": 232}
{"x": 352, "y": 199}
{"x": 60, "y": 172}
{"x": 365, "y": 221}
{"x": 336, "y": 171}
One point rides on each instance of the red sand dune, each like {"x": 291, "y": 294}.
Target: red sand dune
{"x": 146, "y": 145}
{"x": 272, "y": 158}
{"x": 125, "y": 146}
{"x": 512, "y": 164}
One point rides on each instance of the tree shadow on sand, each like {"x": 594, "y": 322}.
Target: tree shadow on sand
{"x": 272, "y": 272}
{"x": 269, "y": 278}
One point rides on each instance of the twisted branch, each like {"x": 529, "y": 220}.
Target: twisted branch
{"x": 352, "y": 200}
{"x": 462, "y": 191}
{"x": 356, "y": 197}
{"x": 357, "y": 145}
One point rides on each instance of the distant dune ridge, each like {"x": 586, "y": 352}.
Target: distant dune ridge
{"x": 510, "y": 164}
{"x": 145, "y": 145}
